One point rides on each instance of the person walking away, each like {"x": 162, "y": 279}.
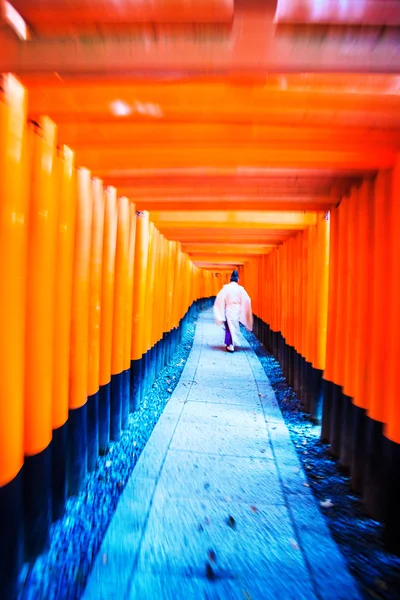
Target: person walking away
{"x": 233, "y": 306}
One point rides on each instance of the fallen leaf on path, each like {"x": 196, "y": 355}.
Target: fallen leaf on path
{"x": 212, "y": 556}
{"x": 209, "y": 571}
{"x": 231, "y": 522}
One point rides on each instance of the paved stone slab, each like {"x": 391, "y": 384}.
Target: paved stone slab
{"x": 152, "y": 457}
{"x": 269, "y": 404}
{"x": 227, "y": 414}
{"x": 323, "y": 558}
{"x": 221, "y": 449}
{"x": 254, "y": 481}
{"x": 244, "y": 395}
{"x": 149, "y": 586}
{"x": 224, "y": 440}
{"x": 261, "y": 545}
{"x": 233, "y": 382}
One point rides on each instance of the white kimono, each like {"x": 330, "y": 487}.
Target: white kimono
{"x": 233, "y": 305}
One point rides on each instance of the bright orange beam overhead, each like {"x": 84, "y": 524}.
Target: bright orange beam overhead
{"x": 222, "y": 249}
{"x": 103, "y": 162}
{"x": 272, "y": 102}
{"x": 292, "y": 204}
{"x": 238, "y": 258}
{"x": 233, "y": 219}
{"x": 114, "y": 133}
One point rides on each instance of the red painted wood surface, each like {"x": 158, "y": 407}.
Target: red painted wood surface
{"x": 42, "y": 13}
{"x": 250, "y": 46}
{"x": 339, "y": 12}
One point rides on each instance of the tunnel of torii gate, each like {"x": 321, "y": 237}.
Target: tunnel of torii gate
{"x": 146, "y": 151}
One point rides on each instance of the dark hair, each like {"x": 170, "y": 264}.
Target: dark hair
{"x": 235, "y": 276}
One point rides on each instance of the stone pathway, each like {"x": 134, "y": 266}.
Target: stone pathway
{"x": 218, "y": 505}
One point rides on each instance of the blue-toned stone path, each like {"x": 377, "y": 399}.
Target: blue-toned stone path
{"x": 218, "y": 505}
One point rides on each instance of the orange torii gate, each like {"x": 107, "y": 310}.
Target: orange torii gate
{"x": 137, "y": 171}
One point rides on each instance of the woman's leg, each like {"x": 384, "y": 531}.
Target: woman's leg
{"x": 228, "y": 337}
{"x": 232, "y": 316}
{"x": 234, "y": 330}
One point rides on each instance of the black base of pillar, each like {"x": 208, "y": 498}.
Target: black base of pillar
{"x": 268, "y": 341}
{"x": 276, "y": 344}
{"x": 358, "y": 450}
{"x": 116, "y": 407}
{"x": 126, "y": 385}
{"x": 171, "y": 345}
{"x": 347, "y": 414}
{"x": 93, "y": 430}
{"x": 153, "y": 367}
{"x": 148, "y": 370}
{"x": 77, "y": 449}
{"x": 296, "y": 371}
{"x": 281, "y": 350}
{"x": 290, "y": 365}
{"x": 392, "y": 494}
{"x": 327, "y": 388}
{"x": 374, "y": 475}
{"x": 307, "y": 376}
{"x": 303, "y": 382}
{"x": 336, "y": 420}
{"x": 159, "y": 357}
{"x": 12, "y": 535}
{"x": 285, "y": 359}
{"x": 136, "y": 384}
{"x": 166, "y": 343}
{"x": 104, "y": 417}
{"x": 59, "y": 470}
{"x": 316, "y": 395}
{"x": 37, "y": 496}
{"x": 144, "y": 371}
